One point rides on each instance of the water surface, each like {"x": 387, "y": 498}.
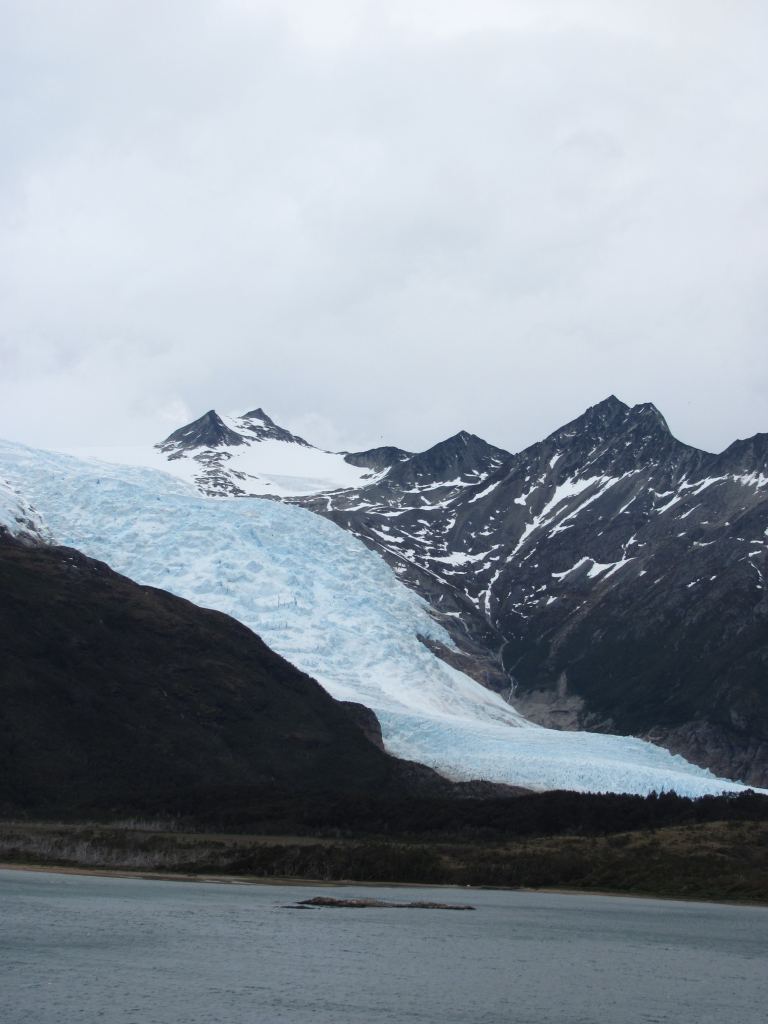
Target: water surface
{"x": 127, "y": 951}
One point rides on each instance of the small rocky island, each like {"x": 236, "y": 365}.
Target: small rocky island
{"x": 332, "y": 901}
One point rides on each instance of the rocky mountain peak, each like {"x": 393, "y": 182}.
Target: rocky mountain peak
{"x": 208, "y": 431}
{"x": 647, "y": 417}
{"x": 609, "y": 407}
{"x": 596, "y": 421}
{"x": 463, "y": 454}
{"x": 258, "y": 414}
{"x": 377, "y": 459}
{"x": 749, "y": 455}
{"x": 258, "y": 426}
{"x": 462, "y": 439}
{"x": 211, "y": 431}
{"x": 612, "y": 436}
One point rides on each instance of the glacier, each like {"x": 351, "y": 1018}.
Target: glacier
{"x": 17, "y": 516}
{"x": 333, "y": 608}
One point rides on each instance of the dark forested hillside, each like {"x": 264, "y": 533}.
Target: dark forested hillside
{"x": 117, "y": 696}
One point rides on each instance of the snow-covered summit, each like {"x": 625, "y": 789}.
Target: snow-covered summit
{"x": 246, "y": 456}
{"x": 214, "y": 431}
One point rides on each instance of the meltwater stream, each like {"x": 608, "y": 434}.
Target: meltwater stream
{"x": 127, "y": 951}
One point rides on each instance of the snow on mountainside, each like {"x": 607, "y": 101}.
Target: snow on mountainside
{"x": 332, "y": 607}
{"x": 621, "y": 574}
{"x": 247, "y": 455}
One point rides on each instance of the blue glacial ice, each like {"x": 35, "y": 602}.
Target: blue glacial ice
{"x": 331, "y": 606}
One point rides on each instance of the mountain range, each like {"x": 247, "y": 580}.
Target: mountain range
{"x": 331, "y": 607}
{"x": 608, "y": 578}
{"x": 561, "y": 617}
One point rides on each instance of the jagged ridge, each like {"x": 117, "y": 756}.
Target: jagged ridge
{"x": 617, "y": 575}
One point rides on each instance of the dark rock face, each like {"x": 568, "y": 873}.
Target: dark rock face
{"x": 377, "y": 458}
{"x": 462, "y": 458}
{"x": 119, "y": 697}
{"x": 209, "y": 431}
{"x": 608, "y": 577}
{"x": 365, "y": 719}
{"x": 259, "y": 427}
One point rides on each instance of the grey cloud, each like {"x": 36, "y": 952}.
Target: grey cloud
{"x": 388, "y": 223}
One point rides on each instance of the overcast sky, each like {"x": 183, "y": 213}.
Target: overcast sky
{"x": 382, "y": 222}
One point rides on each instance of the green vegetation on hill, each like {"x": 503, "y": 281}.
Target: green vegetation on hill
{"x": 720, "y": 860}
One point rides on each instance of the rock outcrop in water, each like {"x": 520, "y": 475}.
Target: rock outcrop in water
{"x": 368, "y": 902}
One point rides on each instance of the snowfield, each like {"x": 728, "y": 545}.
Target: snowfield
{"x": 332, "y": 607}
{"x": 269, "y": 468}
{"x": 261, "y": 466}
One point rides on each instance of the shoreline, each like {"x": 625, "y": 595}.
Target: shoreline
{"x": 303, "y": 883}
